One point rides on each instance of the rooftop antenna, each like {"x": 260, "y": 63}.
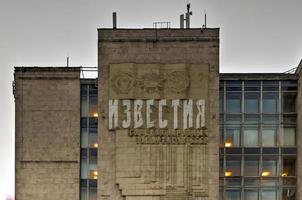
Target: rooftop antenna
{"x": 205, "y": 19}
{"x": 114, "y": 20}
{"x": 188, "y": 13}
{"x": 67, "y": 61}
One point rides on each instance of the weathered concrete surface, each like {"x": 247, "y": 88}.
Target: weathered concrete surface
{"x": 130, "y": 171}
{"x": 299, "y": 132}
{"x": 47, "y": 133}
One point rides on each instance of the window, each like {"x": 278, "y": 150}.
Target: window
{"x": 269, "y": 195}
{"x": 250, "y": 194}
{"x": 270, "y": 102}
{"x": 233, "y": 195}
{"x": 289, "y": 136}
{"x": 251, "y": 166}
{"x": 269, "y": 166}
{"x": 233, "y": 102}
{"x": 250, "y": 136}
{"x": 233, "y": 166}
{"x": 269, "y": 136}
{"x": 251, "y": 102}
{"x": 232, "y": 137}
{"x": 289, "y": 102}
{"x": 258, "y": 149}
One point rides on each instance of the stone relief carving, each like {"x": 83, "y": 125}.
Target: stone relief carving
{"x": 122, "y": 83}
{"x": 175, "y": 81}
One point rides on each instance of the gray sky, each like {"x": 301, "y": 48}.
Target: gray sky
{"x": 256, "y": 36}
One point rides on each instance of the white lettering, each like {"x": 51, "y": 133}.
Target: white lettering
{"x": 113, "y": 113}
{"x": 138, "y": 119}
{"x": 161, "y": 123}
{"x": 200, "y": 118}
{"x": 175, "y": 104}
{"x": 149, "y": 104}
{"x": 127, "y": 122}
{"x": 187, "y": 113}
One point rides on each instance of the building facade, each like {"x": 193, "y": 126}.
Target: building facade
{"x": 159, "y": 123}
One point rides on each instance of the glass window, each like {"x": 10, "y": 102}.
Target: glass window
{"x": 251, "y": 102}
{"x": 251, "y": 166}
{"x": 233, "y": 86}
{"x": 269, "y": 166}
{"x": 232, "y": 195}
{"x": 233, "y": 166}
{"x": 288, "y": 194}
{"x": 93, "y": 111}
{"x": 92, "y": 189}
{"x": 84, "y": 164}
{"x": 83, "y": 185}
{"x": 232, "y": 136}
{"x": 269, "y": 195}
{"x": 289, "y": 85}
{"x": 233, "y": 119}
{"x": 251, "y": 119}
{"x": 270, "y": 102}
{"x": 233, "y": 102}
{"x": 250, "y": 194}
{"x": 289, "y": 166}
{"x": 270, "y": 85}
{"x": 250, "y": 135}
{"x": 252, "y": 85}
{"x": 289, "y": 102}
{"x": 289, "y": 136}
{"x": 269, "y": 136}
{"x": 84, "y": 138}
{"x": 84, "y": 107}
{"x": 270, "y": 119}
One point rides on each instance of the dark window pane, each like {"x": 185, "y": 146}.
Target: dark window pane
{"x": 251, "y": 102}
{"x": 233, "y": 86}
{"x": 289, "y": 119}
{"x": 232, "y": 195}
{"x": 289, "y": 102}
{"x": 289, "y": 194}
{"x": 289, "y": 85}
{"x": 252, "y": 150}
{"x": 93, "y": 111}
{"x": 233, "y": 181}
{"x": 270, "y": 85}
{"x": 251, "y": 119}
{"x": 289, "y": 166}
{"x": 270, "y": 119}
{"x": 233, "y": 166}
{"x": 289, "y": 150}
{"x": 233, "y": 102}
{"x": 83, "y": 90}
{"x": 251, "y": 166}
{"x": 233, "y": 119}
{"x": 233, "y": 150}
{"x": 270, "y": 102}
{"x": 251, "y": 181}
{"x": 252, "y": 85}
{"x": 270, "y": 150}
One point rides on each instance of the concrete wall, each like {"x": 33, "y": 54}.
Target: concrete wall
{"x": 299, "y": 131}
{"x": 47, "y": 106}
{"x": 149, "y": 46}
